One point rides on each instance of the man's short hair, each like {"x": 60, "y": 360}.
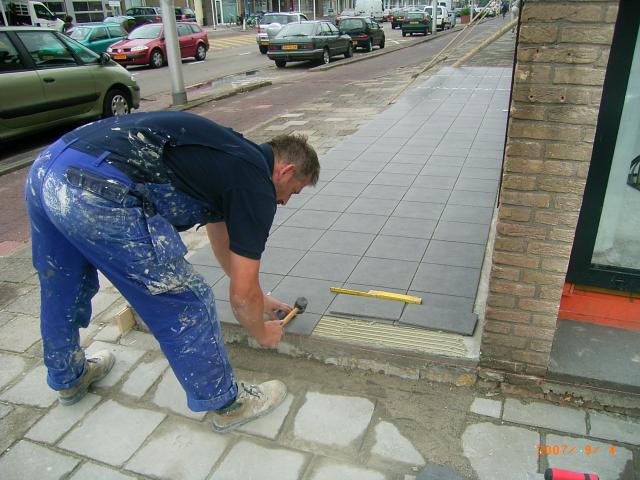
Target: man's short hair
{"x": 295, "y": 149}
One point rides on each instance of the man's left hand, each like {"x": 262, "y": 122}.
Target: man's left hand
{"x": 272, "y": 305}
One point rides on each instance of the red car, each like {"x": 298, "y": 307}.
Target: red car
{"x": 145, "y": 45}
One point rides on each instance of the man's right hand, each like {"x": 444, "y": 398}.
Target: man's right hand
{"x": 271, "y": 334}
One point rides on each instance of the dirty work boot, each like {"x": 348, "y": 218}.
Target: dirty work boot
{"x": 253, "y": 401}
{"x": 96, "y": 368}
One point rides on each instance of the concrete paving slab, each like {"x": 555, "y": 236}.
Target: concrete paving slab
{"x": 329, "y": 470}
{"x": 27, "y": 304}
{"x": 614, "y": 427}
{"x": 486, "y": 407}
{"x": 348, "y": 243}
{"x": 10, "y": 367}
{"x": 60, "y": 419}
{"x": 317, "y": 219}
{"x": 210, "y": 274}
{"x": 266, "y": 463}
{"x": 179, "y": 450}
{"x": 334, "y": 420}
{"x": 454, "y": 253}
{"x": 390, "y": 444}
{"x": 443, "y": 319}
{"x": 269, "y": 426}
{"x": 384, "y": 273}
{"x": 499, "y": 451}
{"x": 5, "y": 410}
{"x": 126, "y": 357}
{"x": 409, "y": 227}
{"x": 359, "y": 222}
{"x": 20, "y": 333}
{"x": 592, "y": 457}
{"x": 325, "y": 266}
{"x": 93, "y": 471}
{"x": 316, "y": 291}
{"x": 477, "y": 172}
{"x": 467, "y": 214}
{"x": 279, "y": 260}
{"x": 427, "y": 195}
{"x": 446, "y": 280}
{"x": 397, "y": 248}
{"x": 347, "y": 189}
{"x": 108, "y": 333}
{"x": 282, "y": 214}
{"x": 441, "y": 170}
{"x": 473, "y": 199}
{"x": 367, "y": 307}
{"x": 553, "y": 417}
{"x": 143, "y": 377}
{"x": 30, "y": 460}
{"x": 462, "y": 232}
{"x": 303, "y": 324}
{"x": 171, "y": 395}
{"x": 224, "y": 313}
{"x": 32, "y": 390}
{"x": 140, "y": 341}
{"x": 438, "y": 472}
{"x": 268, "y": 282}
{"x": 354, "y": 176}
{"x": 294, "y": 237}
{"x": 387, "y": 192}
{"x": 203, "y": 256}
{"x": 439, "y": 183}
{"x": 330, "y": 203}
{"x": 93, "y": 438}
{"x": 372, "y": 206}
{"x": 15, "y": 423}
{"x": 424, "y": 210}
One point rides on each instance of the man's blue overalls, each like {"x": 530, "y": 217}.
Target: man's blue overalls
{"x": 86, "y": 214}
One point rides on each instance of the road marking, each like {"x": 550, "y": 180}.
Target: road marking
{"x": 231, "y": 42}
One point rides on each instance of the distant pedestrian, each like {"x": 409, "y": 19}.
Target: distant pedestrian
{"x": 68, "y": 24}
{"x": 504, "y": 9}
{"x": 515, "y": 12}
{"x": 112, "y": 195}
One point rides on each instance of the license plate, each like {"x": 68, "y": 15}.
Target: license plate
{"x": 290, "y": 47}
{"x": 355, "y": 42}
{"x": 264, "y": 42}
{"x": 414, "y": 23}
{"x": 120, "y": 56}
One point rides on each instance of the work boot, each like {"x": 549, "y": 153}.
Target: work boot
{"x": 253, "y": 401}
{"x": 96, "y": 368}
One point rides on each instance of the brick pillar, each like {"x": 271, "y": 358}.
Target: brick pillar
{"x": 561, "y": 61}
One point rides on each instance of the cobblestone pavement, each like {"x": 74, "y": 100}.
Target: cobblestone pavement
{"x": 335, "y": 424}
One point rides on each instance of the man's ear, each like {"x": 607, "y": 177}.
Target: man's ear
{"x": 288, "y": 168}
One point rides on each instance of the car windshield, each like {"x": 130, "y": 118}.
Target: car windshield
{"x": 351, "y": 23}
{"x": 297, "y": 30}
{"x": 346, "y": 13}
{"x": 151, "y": 30}
{"x": 281, "y": 19}
{"x": 79, "y": 33}
{"x": 415, "y": 16}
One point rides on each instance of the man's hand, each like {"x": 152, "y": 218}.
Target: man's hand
{"x": 272, "y": 305}
{"x": 271, "y": 334}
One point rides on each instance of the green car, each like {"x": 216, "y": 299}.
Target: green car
{"x": 416, "y": 22}
{"x": 97, "y": 36}
{"x": 48, "y": 79}
{"x": 318, "y": 40}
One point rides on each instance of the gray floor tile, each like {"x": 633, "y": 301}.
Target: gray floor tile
{"x": 482, "y": 162}
{"x": 428, "y": 211}
{"x": 303, "y": 324}
{"x": 325, "y": 266}
{"x": 297, "y": 201}
{"x": 203, "y": 256}
{"x": 404, "y": 168}
{"x": 343, "y": 188}
{"x": 359, "y": 222}
{"x": 467, "y": 213}
{"x": 375, "y": 156}
{"x": 328, "y": 174}
{"x": 350, "y": 243}
{"x": 333, "y": 164}
{"x": 210, "y": 274}
{"x": 454, "y": 253}
{"x": 477, "y": 185}
{"x": 224, "y": 313}
{"x": 315, "y": 291}
{"x": 366, "y": 166}
{"x": 282, "y": 214}
{"x": 447, "y": 161}
{"x": 354, "y": 176}
{"x": 449, "y": 151}
{"x": 446, "y": 279}
{"x": 332, "y": 203}
{"x": 399, "y": 248}
{"x": 279, "y": 260}
{"x": 268, "y": 282}
{"x": 441, "y": 170}
{"x": 384, "y": 273}
{"x": 398, "y": 179}
{"x": 441, "y": 319}
{"x": 409, "y": 227}
{"x": 389, "y": 192}
{"x": 425, "y": 181}
{"x": 429, "y": 195}
{"x": 356, "y": 306}
{"x": 374, "y": 206}
{"x": 446, "y": 302}
{"x": 475, "y": 172}
{"x": 417, "y": 159}
{"x": 312, "y": 219}
{"x": 461, "y": 232}
{"x": 294, "y": 237}
{"x": 478, "y": 199}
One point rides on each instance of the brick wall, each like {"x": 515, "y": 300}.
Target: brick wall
{"x": 561, "y": 61}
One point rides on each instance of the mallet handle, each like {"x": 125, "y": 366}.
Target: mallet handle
{"x": 294, "y": 311}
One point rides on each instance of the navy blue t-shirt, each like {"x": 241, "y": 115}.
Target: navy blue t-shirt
{"x": 239, "y": 192}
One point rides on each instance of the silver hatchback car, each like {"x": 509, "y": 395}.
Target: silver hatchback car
{"x": 273, "y": 22}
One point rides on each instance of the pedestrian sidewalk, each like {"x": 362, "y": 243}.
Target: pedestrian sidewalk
{"x": 336, "y": 423}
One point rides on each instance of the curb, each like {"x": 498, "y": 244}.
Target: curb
{"x": 248, "y": 87}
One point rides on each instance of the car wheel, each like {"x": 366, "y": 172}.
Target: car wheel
{"x": 369, "y": 46}
{"x": 382, "y": 44}
{"x": 116, "y": 102}
{"x": 404, "y": 34}
{"x": 281, "y": 63}
{"x": 263, "y": 49}
{"x": 157, "y": 59}
{"x": 326, "y": 56}
{"x": 426, "y": 32}
{"x": 201, "y": 52}
{"x": 349, "y": 52}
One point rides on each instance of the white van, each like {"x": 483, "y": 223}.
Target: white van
{"x": 370, "y": 8}
{"x": 22, "y": 12}
{"x": 443, "y": 21}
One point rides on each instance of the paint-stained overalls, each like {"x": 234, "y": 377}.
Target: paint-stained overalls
{"x": 100, "y": 198}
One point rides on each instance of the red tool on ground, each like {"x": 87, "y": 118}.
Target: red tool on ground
{"x": 557, "y": 474}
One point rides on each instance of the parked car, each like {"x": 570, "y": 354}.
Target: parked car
{"x": 416, "y": 22}
{"x": 317, "y": 40}
{"x": 146, "y": 46}
{"x": 397, "y": 17}
{"x": 97, "y": 36}
{"x": 126, "y": 22}
{"x": 442, "y": 19}
{"x": 344, "y": 14}
{"x": 274, "y": 22}
{"x": 364, "y": 32}
{"x": 144, "y": 15}
{"x": 184, "y": 14}
{"x": 48, "y": 79}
